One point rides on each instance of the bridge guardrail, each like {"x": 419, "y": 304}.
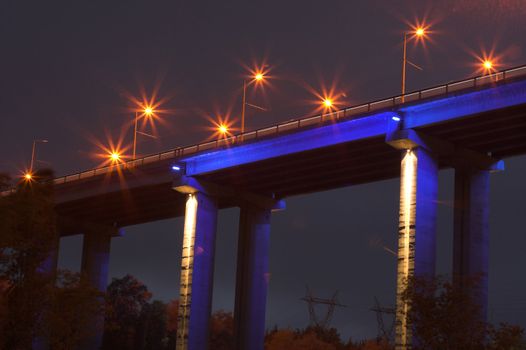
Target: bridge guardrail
{"x": 345, "y": 113}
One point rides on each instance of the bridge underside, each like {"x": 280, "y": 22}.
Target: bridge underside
{"x": 501, "y": 133}
{"x": 372, "y": 159}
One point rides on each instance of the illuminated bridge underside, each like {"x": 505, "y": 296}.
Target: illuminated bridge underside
{"x": 323, "y": 157}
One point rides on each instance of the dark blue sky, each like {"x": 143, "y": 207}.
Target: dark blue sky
{"x": 67, "y": 67}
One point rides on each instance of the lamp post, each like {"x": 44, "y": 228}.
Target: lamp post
{"x": 33, "y": 153}
{"x": 258, "y": 78}
{"x": 147, "y": 112}
{"x": 419, "y": 32}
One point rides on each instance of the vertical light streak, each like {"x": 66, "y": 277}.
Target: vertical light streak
{"x": 187, "y": 264}
{"x": 406, "y": 245}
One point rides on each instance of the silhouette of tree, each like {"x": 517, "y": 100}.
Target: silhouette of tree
{"x": 328, "y": 335}
{"x": 125, "y": 299}
{"x": 507, "y": 337}
{"x": 372, "y": 344}
{"x": 73, "y": 304}
{"x": 221, "y": 331}
{"x": 4, "y": 287}
{"x": 171, "y": 323}
{"x": 27, "y": 236}
{"x": 443, "y": 316}
{"x": 287, "y": 339}
{"x": 152, "y": 329}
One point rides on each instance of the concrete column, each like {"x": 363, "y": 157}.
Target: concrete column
{"x": 252, "y": 278}
{"x": 197, "y": 272}
{"x": 416, "y": 231}
{"x": 94, "y": 268}
{"x": 471, "y": 234}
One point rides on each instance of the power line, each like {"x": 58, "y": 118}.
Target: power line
{"x": 331, "y": 304}
{"x": 384, "y": 333}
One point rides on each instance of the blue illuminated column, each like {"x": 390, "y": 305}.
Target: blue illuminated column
{"x": 471, "y": 234}
{"x": 94, "y": 268}
{"x": 197, "y": 272}
{"x": 252, "y": 278}
{"x": 416, "y": 231}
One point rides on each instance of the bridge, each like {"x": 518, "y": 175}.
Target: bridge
{"x": 469, "y": 125}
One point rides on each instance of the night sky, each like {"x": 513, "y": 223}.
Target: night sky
{"x": 68, "y": 70}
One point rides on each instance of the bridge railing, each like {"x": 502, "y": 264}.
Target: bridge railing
{"x": 288, "y": 126}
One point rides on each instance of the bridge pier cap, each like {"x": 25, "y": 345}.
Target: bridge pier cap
{"x": 191, "y": 185}
{"x": 447, "y": 152}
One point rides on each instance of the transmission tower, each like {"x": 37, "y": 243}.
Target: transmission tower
{"x": 331, "y": 304}
{"x": 384, "y": 333}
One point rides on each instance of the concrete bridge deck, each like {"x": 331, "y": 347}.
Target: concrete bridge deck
{"x": 347, "y": 147}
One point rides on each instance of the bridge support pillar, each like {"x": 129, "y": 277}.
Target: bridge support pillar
{"x": 197, "y": 272}
{"x": 471, "y": 234}
{"x": 94, "y": 268}
{"x": 252, "y": 277}
{"x": 416, "y": 231}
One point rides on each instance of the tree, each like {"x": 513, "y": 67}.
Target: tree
{"x": 125, "y": 299}
{"x": 328, "y": 335}
{"x": 507, "y": 337}
{"x": 221, "y": 331}
{"x": 27, "y": 237}
{"x": 172, "y": 310}
{"x": 4, "y": 287}
{"x": 444, "y": 316}
{"x": 152, "y": 330}
{"x": 287, "y": 339}
{"x": 372, "y": 345}
{"x": 74, "y": 303}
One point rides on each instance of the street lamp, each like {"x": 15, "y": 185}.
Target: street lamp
{"x": 148, "y": 112}
{"x": 419, "y": 33}
{"x": 488, "y": 66}
{"x": 223, "y": 129}
{"x": 258, "y": 77}
{"x": 115, "y": 157}
{"x": 33, "y": 156}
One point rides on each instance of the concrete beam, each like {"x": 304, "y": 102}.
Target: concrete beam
{"x": 416, "y": 231}
{"x": 112, "y": 182}
{"x": 197, "y": 272}
{"x": 471, "y": 235}
{"x": 448, "y": 152}
{"x": 72, "y": 226}
{"x": 252, "y": 278}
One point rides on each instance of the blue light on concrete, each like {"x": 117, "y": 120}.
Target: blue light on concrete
{"x": 417, "y": 115}
{"x": 453, "y": 107}
{"x": 324, "y": 136}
